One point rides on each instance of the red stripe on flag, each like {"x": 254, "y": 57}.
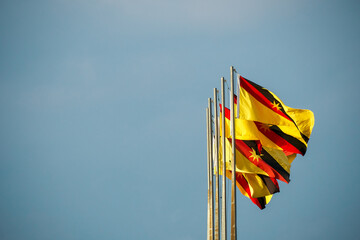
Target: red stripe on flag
{"x": 285, "y": 145}
{"x": 244, "y": 184}
{"x": 260, "y": 97}
{"x": 247, "y": 152}
{"x": 227, "y": 112}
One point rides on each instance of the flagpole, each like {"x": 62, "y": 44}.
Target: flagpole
{"x": 216, "y": 166}
{"x": 211, "y": 173}
{"x": 208, "y": 173}
{"x": 233, "y": 232}
{"x": 223, "y": 203}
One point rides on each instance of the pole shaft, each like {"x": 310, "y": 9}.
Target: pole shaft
{"x": 233, "y": 155}
{"x": 211, "y": 173}
{"x": 216, "y": 166}
{"x": 208, "y": 174}
{"x": 223, "y": 139}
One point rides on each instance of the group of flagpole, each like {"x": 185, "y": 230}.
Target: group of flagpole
{"x": 213, "y": 151}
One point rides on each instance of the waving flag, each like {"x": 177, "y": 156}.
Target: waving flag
{"x": 253, "y": 158}
{"x": 260, "y": 105}
{"x": 246, "y": 187}
{"x": 268, "y": 136}
{"x": 286, "y": 138}
{"x": 257, "y": 170}
{"x": 261, "y": 185}
{"x": 257, "y": 167}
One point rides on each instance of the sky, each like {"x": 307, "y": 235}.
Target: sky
{"x": 103, "y": 128}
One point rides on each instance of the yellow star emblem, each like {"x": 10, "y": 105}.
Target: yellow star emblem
{"x": 254, "y": 156}
{"x": 265, "y": 127}
{"x": 276, "y": 105}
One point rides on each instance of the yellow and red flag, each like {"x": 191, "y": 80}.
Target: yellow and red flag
{"x": 256, "y": 173}
{"x": 246, "y": 187}
{"x": 268, "y": 135}
{"x": 286, "y": 138}
{"x": 260, "y": 105}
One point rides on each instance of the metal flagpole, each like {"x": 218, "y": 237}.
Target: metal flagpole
{"x": 223, "y": 202}
{"x": 208, "y": 173}
{"x": 211, "y": 173}
{"x": 233, "y": 169}
{"x": 216, "y": 166}
{"x": 238, "y": 96}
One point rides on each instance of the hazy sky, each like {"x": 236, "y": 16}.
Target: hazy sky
{"x": 102, "y": 106}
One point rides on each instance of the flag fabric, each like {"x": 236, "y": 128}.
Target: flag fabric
{"x": 257, "y": 168}
{"x": 268, "y": 136}
{"x": 251, "y": 157}
{"x": 260, "y": 185}
{"x": 245, "y": 188}
{"x": 266, "y": 159}
{"x": 258, "y": 188}
{"x": 286, "y": 138}
{"x": 260, "y": 105}
{"x": 254, "y": 157}
{"x": 256, "y": 179}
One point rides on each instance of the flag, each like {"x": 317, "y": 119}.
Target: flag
{"x": 260, "y": 105}
{"x": 255, "y": 178}
{"x": 251, "y": 152}
{"x": 285, "y": 138}
{"x": 245, "y": 188}
{"x": 260, "y": 185}
{"x": 253, "y": 157}
{"x": 268, "y": 136}
{"x": 260, "y": 166}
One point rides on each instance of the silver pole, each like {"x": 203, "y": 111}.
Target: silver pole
{"x": 208, "y": 174}
{"x": 223, "y": 203}
{"x": 211, "y": 173}
{"x": 233, "y": 186}
{"x": 216, "y": 166}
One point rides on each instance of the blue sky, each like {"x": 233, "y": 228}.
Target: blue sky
{"x": 103, "y": 115}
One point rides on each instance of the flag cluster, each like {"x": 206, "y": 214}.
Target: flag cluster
{"x": 268, "y": 136}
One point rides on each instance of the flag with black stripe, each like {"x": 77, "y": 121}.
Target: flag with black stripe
{"x": 260, "y": 105}
{"x": 286, "y": 138}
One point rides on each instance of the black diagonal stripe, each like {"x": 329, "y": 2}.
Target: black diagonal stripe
{"x": 252, "y": 144}
{"x": 262, "y": 202}
{"x": 306, "y": 139}
{"x": 268, "y": 95}
{"x": 274, "y": 164}
{"x": 290, "y": 139}
{"x": 269, "y": 184}
{"x": 271, "y": 98}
